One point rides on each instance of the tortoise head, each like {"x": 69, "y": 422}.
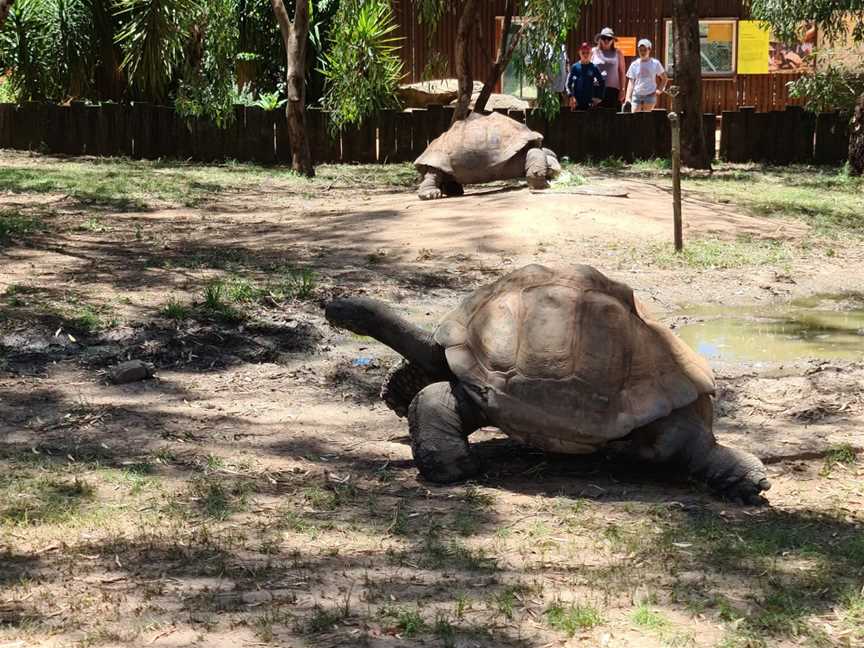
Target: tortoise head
{"x": 356, "y": 314}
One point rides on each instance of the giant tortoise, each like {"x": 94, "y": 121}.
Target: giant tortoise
{"x": 484, "y": 148}
{"x": 567, "y": 361}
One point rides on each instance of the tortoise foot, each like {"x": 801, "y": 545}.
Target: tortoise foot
{"x": 737, "y": 475}
{"x": 429, "y": 194}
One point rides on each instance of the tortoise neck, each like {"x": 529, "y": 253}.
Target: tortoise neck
{"x": 373, "y": 318}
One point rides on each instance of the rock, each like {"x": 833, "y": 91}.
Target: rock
{"x": 130, "y": 371}
{"x": 428, "y": 93}
{"x": 508, "y": 102}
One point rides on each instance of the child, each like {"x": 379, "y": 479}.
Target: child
{"x": 580, "y": 83}
{"x": 643, "y": 77}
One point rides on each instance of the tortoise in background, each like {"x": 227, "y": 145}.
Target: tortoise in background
{"x": 484, "y": 148}
{"x": 565, "y": 361}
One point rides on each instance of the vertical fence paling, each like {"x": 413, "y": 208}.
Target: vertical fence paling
{"x": 148, "y": 131}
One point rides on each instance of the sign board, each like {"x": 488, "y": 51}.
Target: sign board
{"x": 754, "y": 42}
{"x": 720, "y": 32}
{"x": 626, "y": 45}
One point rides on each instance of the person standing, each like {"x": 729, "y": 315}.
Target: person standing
{"x": 646, "y": 79}
{"x": 610, "y": 61}
{"x": 585, "y": 83}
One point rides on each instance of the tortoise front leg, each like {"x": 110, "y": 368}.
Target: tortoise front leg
{"x": 536, "y": 169}
{"x": 684, "y": 438}
{"x": 440, "y": 419}
{"x": 430, "y": 188}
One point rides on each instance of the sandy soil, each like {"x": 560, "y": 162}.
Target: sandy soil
{"x": 284, "y": 404}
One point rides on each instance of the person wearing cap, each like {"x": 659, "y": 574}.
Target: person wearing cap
{"x": 585, "y": 83}
{"x": 610, "y": 61}
{"x": 646, "y": 79}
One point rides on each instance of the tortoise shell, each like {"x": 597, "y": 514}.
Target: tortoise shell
{"x": 473, "y": 149}
{"x": 568, "y": 361}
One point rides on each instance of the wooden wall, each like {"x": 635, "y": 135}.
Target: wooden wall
{"x": 640, "y": 18}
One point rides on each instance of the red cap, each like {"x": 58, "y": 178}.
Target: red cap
{"x": 585, "y": 47}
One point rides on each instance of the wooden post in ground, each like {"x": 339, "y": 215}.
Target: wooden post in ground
{"x": 675, "y": 121}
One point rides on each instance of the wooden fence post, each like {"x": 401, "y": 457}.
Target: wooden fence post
{"x": 404, "y": 135}
{"x": 386, "y": 136}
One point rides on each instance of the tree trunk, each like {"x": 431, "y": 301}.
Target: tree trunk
{"x": 505, "y": 53}
{"x": 295, "y": 35}
{"x": 5, "y": 6}
{"x": 856, "y": 139}
{"x": 467, "y": 21}
{"x": 688, "y": 78}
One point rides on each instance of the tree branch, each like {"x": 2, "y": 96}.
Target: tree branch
{"x": 281, "y": 17}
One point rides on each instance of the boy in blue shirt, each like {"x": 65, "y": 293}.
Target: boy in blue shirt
{"x": 581, "y": 82}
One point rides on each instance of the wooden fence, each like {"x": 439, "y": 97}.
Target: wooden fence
{"x": 784, "y": 136}
{"x": 150, "y": 132}
{"x": 146, "y": 131}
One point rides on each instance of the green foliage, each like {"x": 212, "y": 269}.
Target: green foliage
{"x": 787, "y": 17}
{"x": 538, "y": 53}
{"x": 206, "y": 89}
{"x": 23, "y": 49}
{"x": 832, "y": 87}
{"x": 362, "y": 67}
{"x": 153, "y": 37}
{"x": 572, "y": 618}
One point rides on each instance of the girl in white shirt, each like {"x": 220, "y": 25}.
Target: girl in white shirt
{"x": 646, "y": 79}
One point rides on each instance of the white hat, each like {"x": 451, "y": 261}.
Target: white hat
{"x": 607, "y": 31}
{"x": 645, "y": 42}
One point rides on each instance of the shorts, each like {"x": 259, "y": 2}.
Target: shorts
{"x": 645, "y": 100}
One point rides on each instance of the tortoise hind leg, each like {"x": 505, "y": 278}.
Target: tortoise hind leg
{"x": 440, "y": 419}
{"x": 685, "y": 438}
{"x": 452, "y": 188}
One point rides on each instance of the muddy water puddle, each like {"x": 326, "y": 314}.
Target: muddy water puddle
{"x": 830, "y": 327}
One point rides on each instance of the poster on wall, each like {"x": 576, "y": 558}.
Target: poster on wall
{"x": 754, "y": 43}
{"x": 759, "y": 52}
{"x": 794, "y": 57}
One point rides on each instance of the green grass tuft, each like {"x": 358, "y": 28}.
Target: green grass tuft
{"x": 717, "y": 254}
{"x": 14, "y": 224}
{"x": 572, "y": 618}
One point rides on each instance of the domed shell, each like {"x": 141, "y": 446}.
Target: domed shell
{"x": 471, "y": 149}
{"x": 568, "y": 360}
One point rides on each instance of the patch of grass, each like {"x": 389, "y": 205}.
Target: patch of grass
{"x": 717, "y": 254}
{"x": 44, "y": 499}
{"x": 92, "y": 224}
{"x": 445, "y": 631}
{"x": 652, "y": 165}
{"x": 216, "y": 302}
{"x": 217, "y": 499}
{"x": 506, "y": 600}
{"x": 644, "y": 617}
{"x": 175, "y": 309}
{"x": 292, "y": 283}
{"x": 826, "y": 198}
{"x": 572, "y": 618}
{"x": 14, "y": 224}
{"x": 408, "y": 621}
{"x": 323, "y": 620}
{"x": 843, "y": 454}
{"x": 612, "y": 164}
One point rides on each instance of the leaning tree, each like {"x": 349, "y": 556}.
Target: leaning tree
{"x": 837, "y": 82}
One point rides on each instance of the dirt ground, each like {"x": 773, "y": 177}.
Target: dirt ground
{"x": 257, "y": 492}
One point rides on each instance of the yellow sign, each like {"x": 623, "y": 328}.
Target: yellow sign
{"x": 754, "y": 43}
{"x": 626, "y": 45}
{"x": 720, "y": 32}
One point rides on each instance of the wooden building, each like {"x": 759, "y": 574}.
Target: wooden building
{"x": 722, "y": 23}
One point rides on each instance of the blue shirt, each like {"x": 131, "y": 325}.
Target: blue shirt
{"x": 580, "y": 83}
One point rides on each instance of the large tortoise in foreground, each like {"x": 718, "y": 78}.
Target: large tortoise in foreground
{"x": 565, "y": 361}
{"x": 484, "y": 148}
